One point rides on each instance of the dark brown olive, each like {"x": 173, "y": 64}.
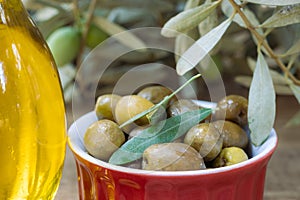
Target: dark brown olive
{"x": 155, "y": 94}
{"x": 105, "y": 106}
{"x": 206, "y": 139}
{"x": 172, "y": 157}
{"x": 233, "y": 108}
{"x": 233, "y": 135}
{"x": 181, "y": 106}
{"x": 103, "y": 138}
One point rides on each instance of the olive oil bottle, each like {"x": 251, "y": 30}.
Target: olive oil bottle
{"x": 32, "y": 113}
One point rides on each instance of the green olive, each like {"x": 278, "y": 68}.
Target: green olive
{"x": 206, "y": 139}
{"x": 129, "y": 106}
{"x": 155, "y": 94}
{"x": 230, "y": 156}
{"x": 181, "y": 106}
{"x": 95, "y": 36}
{"x": 233, "y": 134}
{"x": 103, "y": 138}
{"x": 233, "y": 108}
{"x": 105, "y": 106}
{"x": 64, "y": 44}
{"x": 172, "y": 157}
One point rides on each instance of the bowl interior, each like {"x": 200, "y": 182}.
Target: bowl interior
{"x": 78, "y": 128}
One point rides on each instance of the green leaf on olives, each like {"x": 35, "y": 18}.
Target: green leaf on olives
{"x": 162, "y": 132}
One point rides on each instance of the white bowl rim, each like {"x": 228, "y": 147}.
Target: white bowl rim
{"x": 79, "y": 126}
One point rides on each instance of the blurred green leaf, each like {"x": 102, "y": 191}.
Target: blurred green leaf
{"x": 209, "y": 23}
{"x": 285, "y": 16}
{"x": 201, "y": 48}
{"x": 128, "y": 39}
{"x": 125, "y": 15}
{"x": 155, "y": 5}
{"x": 191, "y": 4}
{"x": 295, "y": 48}
{"x": 279, "y": 89}
{"x": 261, "y": 108}
{"x": 275, "y": 2}
{"x": 188, "y": 19}
{"x": 182, "y": 43}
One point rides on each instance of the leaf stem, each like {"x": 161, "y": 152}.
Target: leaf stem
{"x": 85, "y": 30}
{"x": 156, "y": 106}
{"x": 263, "y": 43}
{"x": 76, "y": 13}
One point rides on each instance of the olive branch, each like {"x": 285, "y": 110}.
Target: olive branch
{"x": 262, "y": 42}
{"x": 262, "y": 97}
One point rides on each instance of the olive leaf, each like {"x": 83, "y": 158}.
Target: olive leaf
{"x": 277, "y": 78}
{"x": 184, "y": 41}
{"x": 201, "y": 48}
{"x": 296, "y": 91}
{"x": 228, "y": 10}
{"x": 128, "y": 39}
{"x": 283, "y": 17}
{"x": 162, "y": 132}
{"x": 275, "y": 2}
{"x": 209, "y": 23}
{"x": 295, "y": 48}
{"x": 191, "y": 4}
{"x": 125, "y": 15}
{"x": 154, "y": 5}
{"x": 261, "y": 108}
{"x": 188, "y": 19}
{"x": 159, "y": 106}
{"x": 279, "y": 89}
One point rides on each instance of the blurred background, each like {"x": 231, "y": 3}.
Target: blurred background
{"x": 73, "y": 29}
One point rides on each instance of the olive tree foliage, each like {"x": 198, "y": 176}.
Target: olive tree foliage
{"x": 111, "y": 17}
{"x": 217, "y": 27}
{"x": 211, "y": 19}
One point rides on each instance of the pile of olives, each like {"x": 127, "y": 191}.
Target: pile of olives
{"x": 219, "y": 140}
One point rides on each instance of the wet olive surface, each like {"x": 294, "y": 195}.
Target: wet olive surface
{"x": 283, "y": 173}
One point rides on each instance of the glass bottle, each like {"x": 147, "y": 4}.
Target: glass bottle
{"x": 32, "y": 112}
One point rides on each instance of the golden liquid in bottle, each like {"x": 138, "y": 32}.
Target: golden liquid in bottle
{"x": 32, "y": 118}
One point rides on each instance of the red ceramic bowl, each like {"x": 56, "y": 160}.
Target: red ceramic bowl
{"x": 103, "y": 181}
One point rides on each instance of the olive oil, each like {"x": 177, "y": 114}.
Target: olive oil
{"x": 32, "y": 113}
